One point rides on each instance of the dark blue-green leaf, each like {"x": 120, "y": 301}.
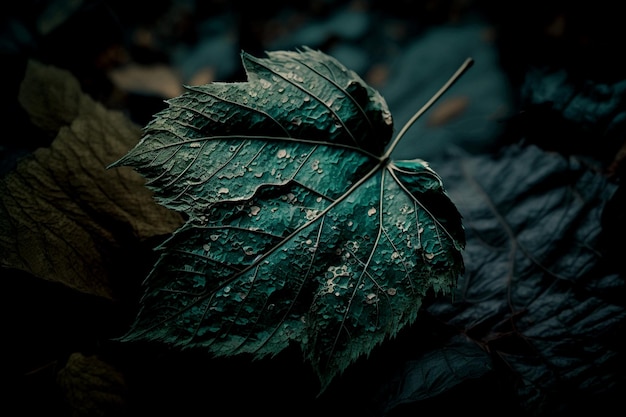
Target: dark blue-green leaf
{"x": 300, "y": 229}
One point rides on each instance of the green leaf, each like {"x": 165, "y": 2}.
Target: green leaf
{"x": 299, "y": 226}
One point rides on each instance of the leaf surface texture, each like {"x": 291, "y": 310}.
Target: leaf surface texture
{"x": 299, "y": 228}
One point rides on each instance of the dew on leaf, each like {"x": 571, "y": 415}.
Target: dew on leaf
{"x": 371, "y": 211}
{"x": 311, "y": 214}
{"x": 402, "y": 226}
{"x": 295, "y": 77}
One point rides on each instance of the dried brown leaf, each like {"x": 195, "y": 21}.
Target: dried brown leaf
{"x": 618, "y": 161}
{"x": 62, "y": 213}
{"x": 447, "y": 110}
{"x": 160, "y": 80}
{"x": 92, "y": 387}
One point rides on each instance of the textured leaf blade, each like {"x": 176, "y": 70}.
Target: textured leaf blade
{"x": 299, "y": 232}
{"x": 58, "y": 204}
{"x": 272, "y": 129}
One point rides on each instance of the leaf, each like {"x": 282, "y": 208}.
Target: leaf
{"x": 590, "y": 114}
{"x": 539, "y": 293}
{"x": 89, "y": 383}
{"x": 158, "y": 80}
{"x": 436, "y": 372}
{"x": 58, "y": 205}
{"x": 300, "y": 227}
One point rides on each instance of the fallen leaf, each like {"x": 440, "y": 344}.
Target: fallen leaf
{"x": 160, "y": 80}
{"x": 92, "y": 387}
{"x": 63, "y": 214}
{"x": 301, "y": 228}
{"x": 539, "y": 296}
{"x": 449, "y": 109}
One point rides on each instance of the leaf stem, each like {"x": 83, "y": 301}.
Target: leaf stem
{"x": 464, "y": 67}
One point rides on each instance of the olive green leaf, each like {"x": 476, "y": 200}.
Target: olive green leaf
{"x": 58, "y": 206}
{"x": 300, "y": 228}
{"x": 88, "y": 383}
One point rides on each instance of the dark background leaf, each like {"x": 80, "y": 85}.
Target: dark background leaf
{"x": 64, "y": 216}
{"x": 92, "y": 387}
{"x": 436, "y": 373}
{"x": 539, "y": 296}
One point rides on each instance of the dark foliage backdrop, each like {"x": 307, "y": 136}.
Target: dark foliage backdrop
{"x": 530, "y": 143}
